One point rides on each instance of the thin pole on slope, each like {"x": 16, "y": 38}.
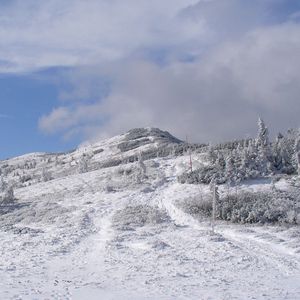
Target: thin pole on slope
{"x": 213, "y": 217}
{"x": 190, "y": 154}
{"x": 214, "y": 201}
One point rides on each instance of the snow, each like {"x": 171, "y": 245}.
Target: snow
{"x": 71, "y": 238}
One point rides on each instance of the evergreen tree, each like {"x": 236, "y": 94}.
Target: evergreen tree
{"x": 245, "y": 164}
{"x": 277, "y": 152}
{"x": 296, "y": 154}
{"x": 211, "y": 154}
{"x": 230, "y": 169}
{"x": 220, "y": 161}
{"x": 263, "y": 146}
{"x": 263, "y": 134}
{"x": 288, "y": 152}
{"x": 298, "y": 163}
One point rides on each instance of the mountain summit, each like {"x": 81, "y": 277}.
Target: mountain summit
{"x": 127, "y": 218}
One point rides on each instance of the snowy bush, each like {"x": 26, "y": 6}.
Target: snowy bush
{"x": 258, "y": 207}
{"x": 196, "y": 206}
{"x": 138, "y": 216}
{"x": 247, "y": 207}
{"x": 46, "y": 175}
{"x": 203, "y": 175}
{"x": 8, "y": 195}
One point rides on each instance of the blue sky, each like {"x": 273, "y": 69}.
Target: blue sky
{"x": 74, "y": 70}
{"x": 23, "y": 100}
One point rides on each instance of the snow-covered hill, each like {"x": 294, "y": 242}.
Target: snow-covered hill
{"x": 105, "y": 221}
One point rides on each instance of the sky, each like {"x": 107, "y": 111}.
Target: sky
{"x": 74, "y": 71}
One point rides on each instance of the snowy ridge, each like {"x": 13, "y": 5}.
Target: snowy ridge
{"x": 99, "y": 223}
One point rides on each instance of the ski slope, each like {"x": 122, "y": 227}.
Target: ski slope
{"x": 102, "y": 235}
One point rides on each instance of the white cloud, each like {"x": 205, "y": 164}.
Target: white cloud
{"x": 212, "y": 99}
{"x": 222, "y": 63}
{"x": 41, "y": 34}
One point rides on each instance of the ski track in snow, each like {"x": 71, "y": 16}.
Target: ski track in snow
{"x": 71, "y": 249}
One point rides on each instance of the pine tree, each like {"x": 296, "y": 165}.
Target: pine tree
{"x": 277, "y": 152}
{"x": 263, "y": 146}
{"x": 298, "y": 163}
{"x": 288, "y": 149}
{"x": 230, "y": 169}
{"x": 211, "y": 155}
{"x": 263, "y": 134}
{"x": 296, "y": 156}
{"x": 220, "y": 161}
{"x": 245, "y": 164}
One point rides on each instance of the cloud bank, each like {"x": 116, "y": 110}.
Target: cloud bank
{"x": 40, "y": 34}
{"x": 213, "y": 99}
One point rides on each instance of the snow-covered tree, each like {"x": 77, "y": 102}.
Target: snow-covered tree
{"x": 296, "y": 157}
{"x": 6, "y": 190}
{"x": 298, "y": 162}
{"x": 277, "y": 159}
{"x": 46, "y": 175}
{"x": 230, "y": 168}
{"x": 83, "y": 164}
{"x": 245, "y": 164}
{"x": 220, "y": 161}
{"x": 9, "y": 194}
{"x": 141, "y": 163}
{"x": 3, "y": 184}
{"x": 211, "y": 154}
{"x": 141, "y": 169}
{"x": 288, "y": 150}
{"x": 263, "y": 134}
{"x": 263, "y": 147}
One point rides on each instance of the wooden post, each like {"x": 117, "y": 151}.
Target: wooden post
{"x": 190, "y": 154}
{"x": 213, "y": 216}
